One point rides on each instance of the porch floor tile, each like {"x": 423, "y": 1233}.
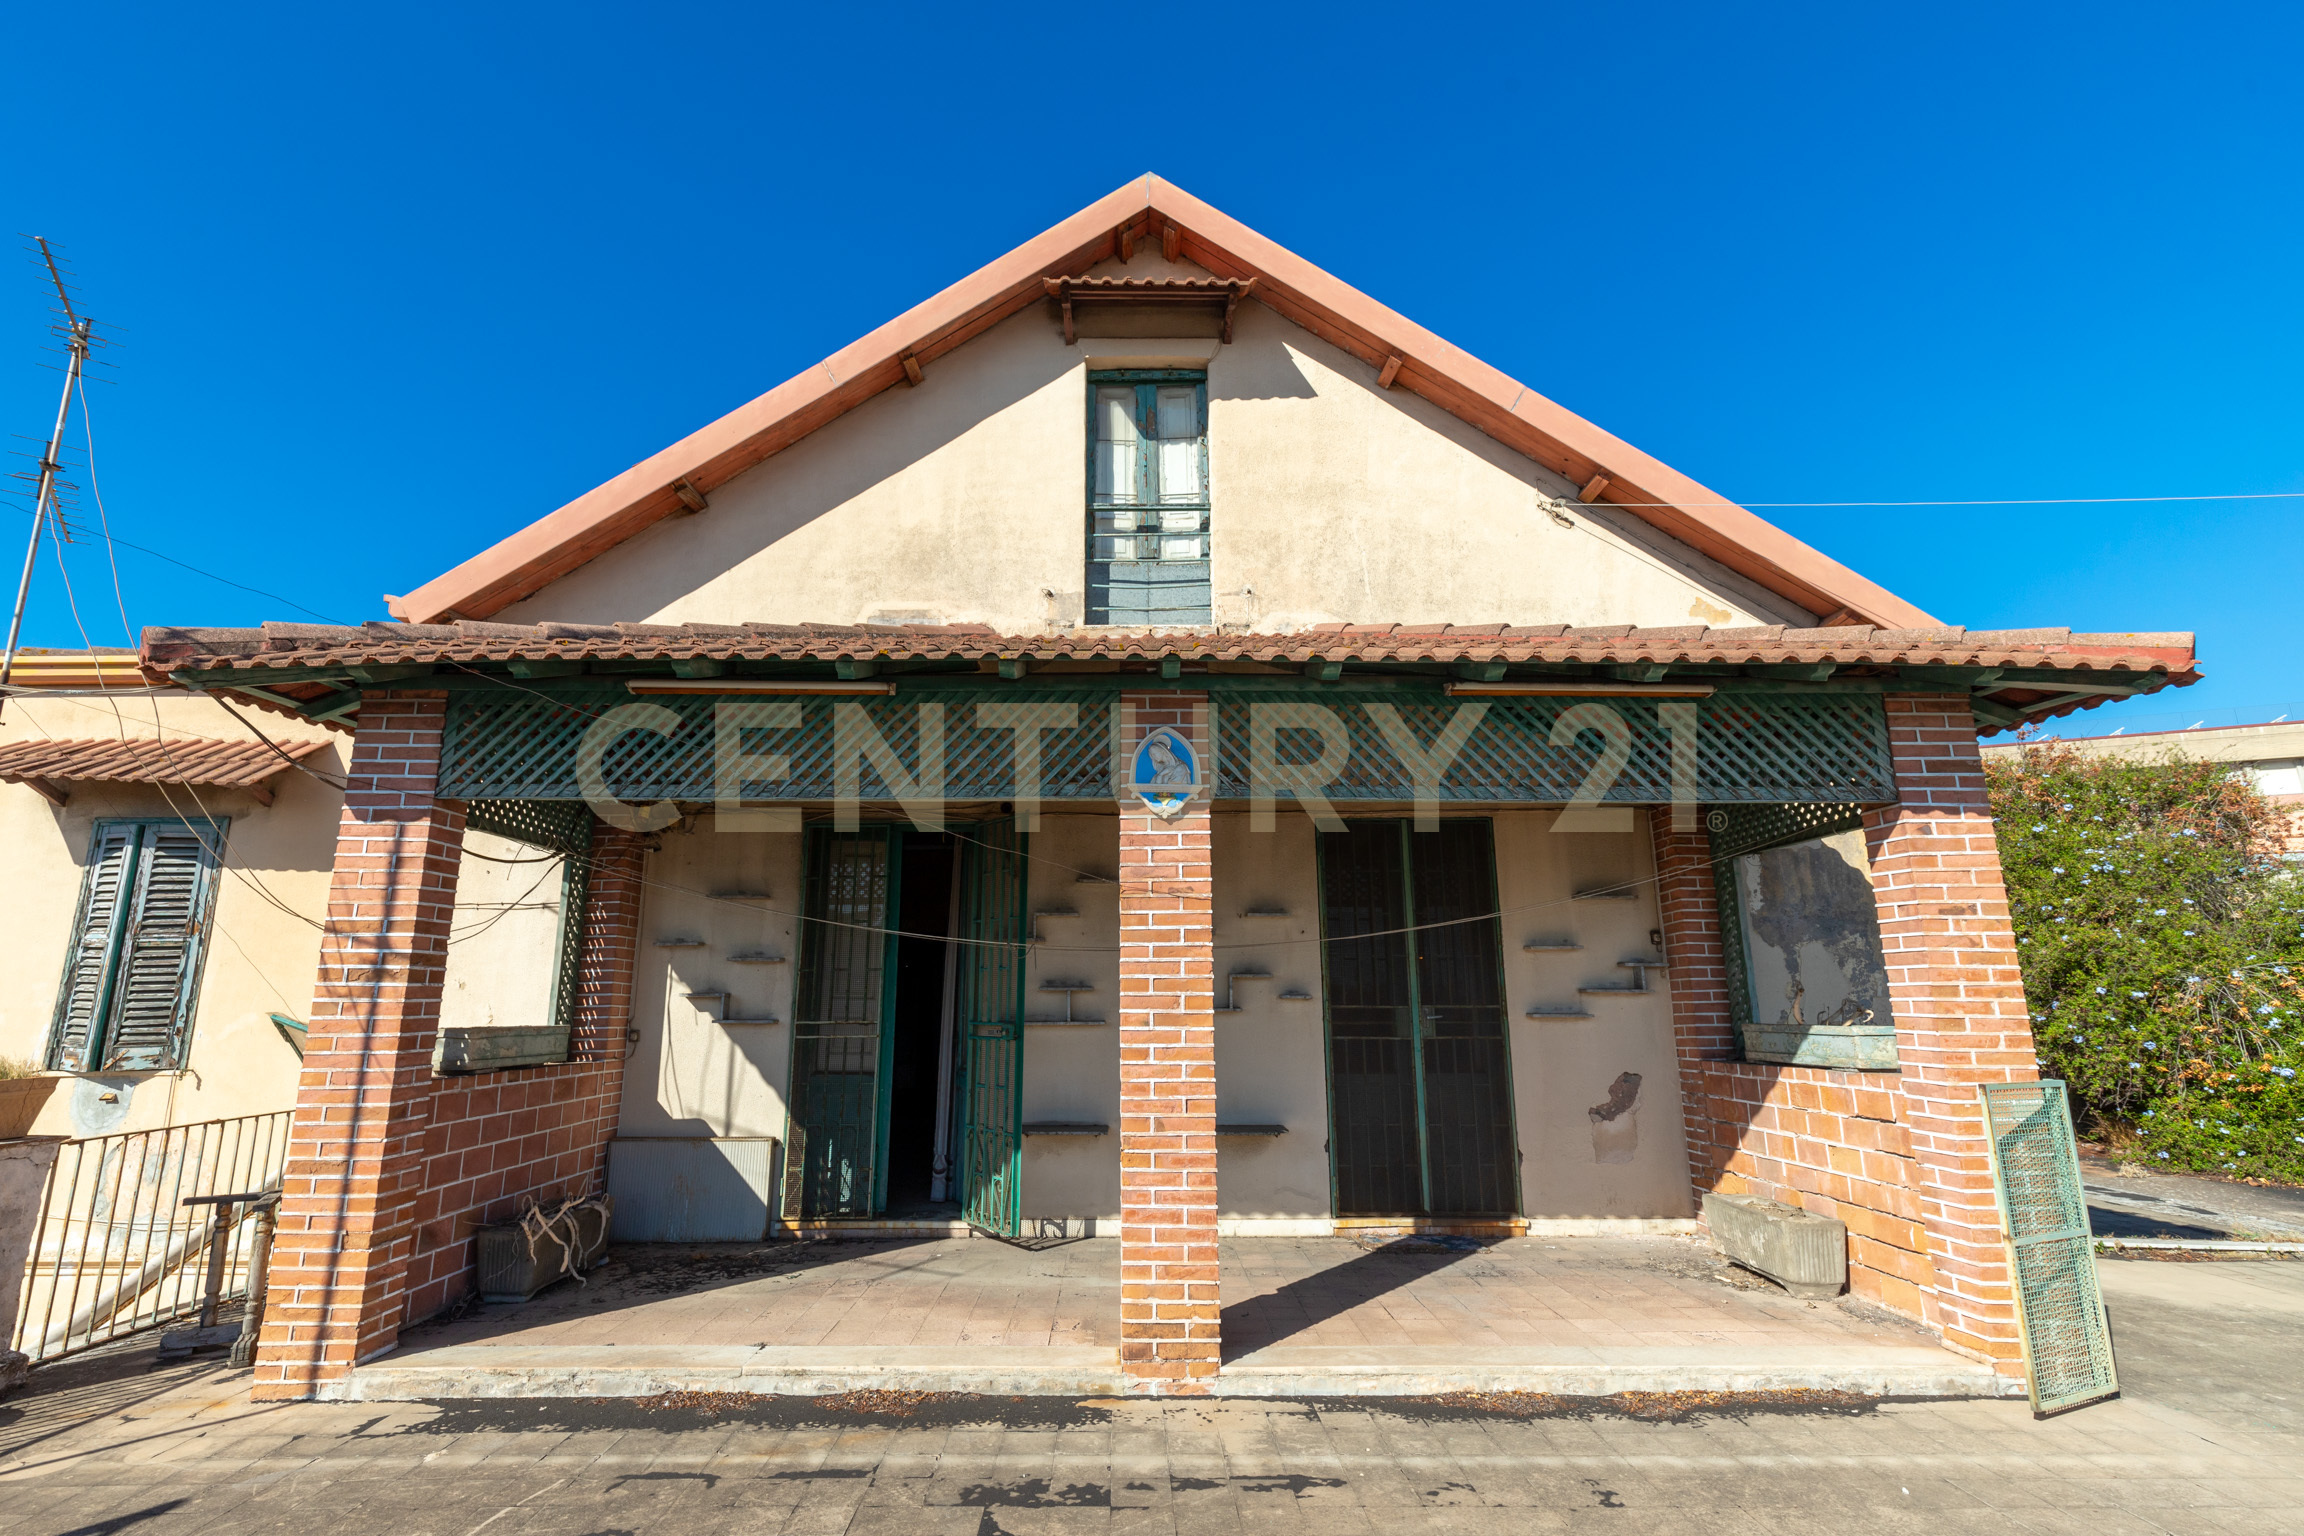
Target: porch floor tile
{"x": 1301, "y": 1315}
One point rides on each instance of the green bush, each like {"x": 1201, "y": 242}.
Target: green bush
{"x": 2163, "y": 950}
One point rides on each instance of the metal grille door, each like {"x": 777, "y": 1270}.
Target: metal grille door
{"x": 2044, "y": 1217}
{"x": 993, "y": 937}
{"x": 842, "y": 1025}
{"x": 1419, "y": 1078}
{"x": 1373, "y": 1114}
{"x": 1468, "y": 1145}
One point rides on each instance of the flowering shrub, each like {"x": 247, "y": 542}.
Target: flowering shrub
{"x": 2163, "y": 950}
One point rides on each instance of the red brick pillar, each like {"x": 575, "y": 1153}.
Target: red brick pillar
{"x": 1702, "y": 1032}
{"x": 1170, "y": 1306}
{"x": 355, "y": 1147}
{"x": 1958, "y": 996}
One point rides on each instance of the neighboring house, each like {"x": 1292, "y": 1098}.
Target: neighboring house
{"x": 169, "y": 857}
{"x": 2270, "y": 754}
{"x": 1151, "y": 741}
{"x": 166, "y": 869}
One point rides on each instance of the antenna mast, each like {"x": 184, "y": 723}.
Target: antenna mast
{"x": 75, "y": 331}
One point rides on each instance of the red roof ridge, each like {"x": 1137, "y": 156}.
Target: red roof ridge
{"x": 1441, "y": 372}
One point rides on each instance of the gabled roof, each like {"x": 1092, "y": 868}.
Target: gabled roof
{"x": 1151, "y": 210}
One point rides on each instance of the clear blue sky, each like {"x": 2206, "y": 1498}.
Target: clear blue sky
{"x": 391, "y": 282}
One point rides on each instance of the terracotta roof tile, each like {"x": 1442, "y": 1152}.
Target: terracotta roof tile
{"x": 321, "y": 646}
{"x": 165, "y": 760}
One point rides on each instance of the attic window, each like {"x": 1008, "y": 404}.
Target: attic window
{"x": 1148, "y": 534}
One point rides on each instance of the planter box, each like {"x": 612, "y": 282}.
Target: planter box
{"x": 1850, "y": 1047}
{"x": 510, "y": 1272}
{"x": 465, "y": 1050}
{"x": 1804, "y": 1253}
{"x": 20, "y": 1101}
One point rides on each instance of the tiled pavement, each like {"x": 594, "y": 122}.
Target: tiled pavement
{"x": 2209, "y": 1439}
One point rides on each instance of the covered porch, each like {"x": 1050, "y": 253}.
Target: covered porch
{"x": 1214, "y": 940}
{"x": 1382, "y": 1313}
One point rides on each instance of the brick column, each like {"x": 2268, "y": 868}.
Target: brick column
{"x": 1958, "y": 996}
{"x": 355, "y": 1147}
{"x": 1170, "y": 1306}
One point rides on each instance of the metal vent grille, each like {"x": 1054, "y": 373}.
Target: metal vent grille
{"x": 1756, "y": 748}
{"x": 2044, "y": 1216}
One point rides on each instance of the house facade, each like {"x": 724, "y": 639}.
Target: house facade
{"x": 1151, "y": 744}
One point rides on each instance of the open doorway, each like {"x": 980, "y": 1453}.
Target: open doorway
{"x": 920, "y": 1066}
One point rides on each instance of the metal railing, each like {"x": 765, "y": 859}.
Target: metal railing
{"x": 118, "y": 1250}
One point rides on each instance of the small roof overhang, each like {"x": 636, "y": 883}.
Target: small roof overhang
{"x": 48, "y": 766}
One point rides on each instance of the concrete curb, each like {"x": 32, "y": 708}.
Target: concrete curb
{"x": 509, "y": 1371}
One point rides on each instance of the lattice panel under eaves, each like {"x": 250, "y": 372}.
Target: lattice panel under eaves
{"x": 522, "y": 743}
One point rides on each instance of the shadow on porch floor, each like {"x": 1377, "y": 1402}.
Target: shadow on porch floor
{"x": 1302, "y": 1316}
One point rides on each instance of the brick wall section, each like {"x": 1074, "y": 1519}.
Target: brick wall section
{"x": 1826, "y": 1141}
{"x": 1900, "y": 1158}
{"x": 1958, "y": 994}
{"x": 1170, "y": 1303}
{"x": 498, "y": 1139}
{"x": 354, "y": 1167}
{"x": 389, "y": 1168}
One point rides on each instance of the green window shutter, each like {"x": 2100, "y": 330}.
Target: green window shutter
{"x": 96, "y": 932}
{"x": 161, "y": 959}
{"x": 134, "y": 964}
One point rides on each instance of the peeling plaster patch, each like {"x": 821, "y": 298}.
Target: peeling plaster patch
{"x": 100, "y": 1104}
{"x": 1616, "y": 1123}
{"x": 1710, "y": 613}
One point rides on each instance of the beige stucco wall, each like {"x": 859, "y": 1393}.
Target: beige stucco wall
{"x": 1572, "y": 1165}
{"x": 263, "y": 948}
{"x": 687, "y": 1075}
{"x": 1072, "y": 1071}
{"x": 1271, "y": 1056}
{"x": 962, "y": 500}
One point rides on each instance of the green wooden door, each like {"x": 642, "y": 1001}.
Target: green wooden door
{"x": 842, "y": 1029}
{"x": 994, "y": 932}
{"x": 1419, "y": 1069}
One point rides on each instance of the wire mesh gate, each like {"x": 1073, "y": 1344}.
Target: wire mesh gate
{"x": 993, "y": 937}
{"x": 2051, "y": 1253}
{"x": 116, "y": 1250}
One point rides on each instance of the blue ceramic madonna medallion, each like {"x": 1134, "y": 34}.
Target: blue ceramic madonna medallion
{"x": 1165, "y": 773}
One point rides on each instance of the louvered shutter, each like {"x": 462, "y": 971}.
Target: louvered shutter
{"x": 153, "y": 998}
{"x": 95, "y": 932}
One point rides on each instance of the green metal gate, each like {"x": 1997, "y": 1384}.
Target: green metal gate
{"x": 1419, "y": 1068}
{"x": 2044, "y": 1218}
{"x": 994, "y": 932}
{"x": 843, "y": 1025}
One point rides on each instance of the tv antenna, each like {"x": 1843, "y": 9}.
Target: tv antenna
{"x": 77, "y": 332}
